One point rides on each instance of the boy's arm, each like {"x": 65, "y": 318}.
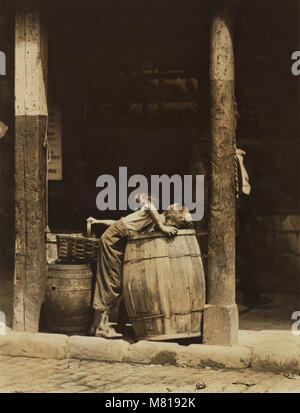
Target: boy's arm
{"x": 171, "y": 231}
{"x": 107, "y": 222}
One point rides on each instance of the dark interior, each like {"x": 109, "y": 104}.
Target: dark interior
{"x": 109, "y": 78}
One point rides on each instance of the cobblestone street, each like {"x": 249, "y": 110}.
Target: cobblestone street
{"x": 20, "y": 374}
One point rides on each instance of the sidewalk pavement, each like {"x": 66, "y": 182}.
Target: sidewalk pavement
{"x": 266, "y": 350}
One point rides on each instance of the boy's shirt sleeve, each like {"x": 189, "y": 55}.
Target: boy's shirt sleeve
{"x": 149, "y": 206}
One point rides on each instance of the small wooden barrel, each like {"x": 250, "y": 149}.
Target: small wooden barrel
{"x": 164, "y": 286}
{"x": 68, "y": 298}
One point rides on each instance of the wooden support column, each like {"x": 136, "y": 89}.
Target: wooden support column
{"x": 30, "y": 166}
{"x": 6, "y": 142}
{"x": 221, "y": 315}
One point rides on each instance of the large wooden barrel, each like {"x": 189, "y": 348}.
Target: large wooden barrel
{"x": 68, "y": 298}
{"x": 164, "y": 286}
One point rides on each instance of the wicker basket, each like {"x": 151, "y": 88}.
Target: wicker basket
{"x": 79, "y": 248}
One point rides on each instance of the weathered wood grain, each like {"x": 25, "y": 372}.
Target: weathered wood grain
{"x": 164, "y": 286}
{"x": 220, "y": 319}
{"x": 221, "y": 240}
{"x": 30, "y": 168}
{"x": 68, "y": 301}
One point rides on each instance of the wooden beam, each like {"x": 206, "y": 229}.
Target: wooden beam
{"x": 221, "y": 315}
{"x": 30, "y": 166}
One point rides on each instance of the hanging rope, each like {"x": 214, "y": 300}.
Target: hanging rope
{"x": 236, "y": 174}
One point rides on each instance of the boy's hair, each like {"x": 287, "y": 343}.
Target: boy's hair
{"x": 143, "y": 198}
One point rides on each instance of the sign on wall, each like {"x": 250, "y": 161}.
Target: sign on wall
{"x": 54, "y": 142}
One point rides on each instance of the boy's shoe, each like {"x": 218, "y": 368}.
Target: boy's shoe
{"x": 108, "y": 332}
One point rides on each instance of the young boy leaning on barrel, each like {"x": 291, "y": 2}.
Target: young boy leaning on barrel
{"x": 112, "y": 246}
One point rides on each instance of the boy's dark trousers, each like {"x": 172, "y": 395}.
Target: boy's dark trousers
{"x": 109, "y": 268}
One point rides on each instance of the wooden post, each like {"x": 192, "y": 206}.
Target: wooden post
{"x": 30, "y": 166}
{"x": 6, "y": 142}
{"x": 220, "y": 315}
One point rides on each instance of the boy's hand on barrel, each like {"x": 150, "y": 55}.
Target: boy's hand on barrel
{"x": 170, "y": 231}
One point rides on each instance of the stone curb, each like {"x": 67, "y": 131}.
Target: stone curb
{"x": 94, "y": 348}
{"x": 147, "y": 352}
{"x": 34, "y": 345}
{"x": 59, "y": 346}
{"x": 273, "y": 350}
{"x": 217, "y": 357}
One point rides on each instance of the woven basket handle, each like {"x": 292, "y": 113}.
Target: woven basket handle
{"x": 89, "y": 232}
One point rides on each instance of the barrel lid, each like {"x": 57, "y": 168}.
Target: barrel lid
{"x": 161, "y": 235}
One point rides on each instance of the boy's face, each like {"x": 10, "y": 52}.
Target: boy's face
{"x": 179, "y": 218}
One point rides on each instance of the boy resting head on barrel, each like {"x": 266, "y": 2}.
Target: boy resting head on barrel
{"x": 112, "y": 246}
